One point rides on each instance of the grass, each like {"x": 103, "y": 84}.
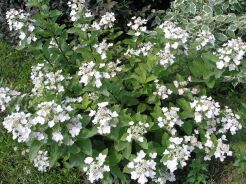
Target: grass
{"x": 15, "y": 67}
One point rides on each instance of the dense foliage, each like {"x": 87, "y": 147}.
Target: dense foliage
{"x": 137, "y": 107}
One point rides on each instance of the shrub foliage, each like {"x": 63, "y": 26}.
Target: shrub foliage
{"x": 136, "y": 107}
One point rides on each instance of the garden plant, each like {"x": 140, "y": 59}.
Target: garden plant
{"x": 127, "y": 105}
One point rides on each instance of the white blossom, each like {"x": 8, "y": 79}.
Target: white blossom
{"x": 231, "y": 54}
{"x": 75, "y": 126}
{"x": 162, "y": 90}
{"x": 95, "y": 168}
{"x": 104, "y": 118}
{"x": 138, "y": 25}
{"x": 107, "y": 20}
{"x": 142, "y": 168}
{"x": 57, "y": 137}
{"x": 136, "y": 131}
{"x": 6, "y": 96}
{"x": 170, "y": 119}
{"x": 19, "y": 125}
{"x": 102, "y": 48}
{"x": 177, "y": 154}
{"x": 20, "y": 21}
{"x": 203, "y": 39}
{"x": 77, "y": 8}
{"x": 177, "y": 35}
{"x": 144, "y": 49}
{"x": 166, "y": 56}
{"x": 43, "y": 79}
{"x": 41, "y": 161}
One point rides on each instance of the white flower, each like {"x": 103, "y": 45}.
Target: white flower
{"x": 231, "y": 54}
{"x": 77, "y": 6}
{"x": 6, "y": 97}
{"x": 170, "y": 119}
{"x": 138, "y": 25}
{"x": 43, "y": 79}
{"x": 136, "y": 131}
{"x": 102, "y": 47}
{"x": 57, "y": 137}
{"x": 41, "y": 161}
{"x": 75, "y": 127}
{"x": 19, "y": 125}
{"x": 107, "y": 20}
{"x": 95, "y": 167}
{"x": 162, "y": 91}
{"x": 177, "y": 154}
{"x": 166, "y": 57}
{"x": 144, "y": 49}
{"x": 177, "y": 35}
{"x": 20, "y": 21}
{"x": 142, "y": 168}
{"x": 204, "y": 38}
{"x": 104, "y": 118}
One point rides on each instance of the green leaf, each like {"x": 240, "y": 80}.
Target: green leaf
{"x": 87, "y": 133}
{"x": 196, "y": 68}
{"x": 114, "y": 157}
{"x": 143, "y": 144}
{"x": 184, "y": 104}
{"x": 221, "y": 37}
{"x": 188, "y": 127}
{"x": 208, "y": 9}
{"x": 54, "y": 154}
{"x": 85, "y": 146}
{"x": 165, "y": 139}
{"x": 193, "y": 8}
{"x": 141, "y": 108}
{"x": 35, "y": 147}
{"x": 117, "y": 172}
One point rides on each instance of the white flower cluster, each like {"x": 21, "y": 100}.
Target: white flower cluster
{"x": 231, "y": 54}
{"x": 164, "y": 176}
{"x": 41, "y": 161}
{"x": 20, "y": 21}
{"x": 205, "y": 107}
{"x": 136, "y": 131}
{"x": 43, "y": 79}
{"x": 102, "y": 48}
{"x": 111, "y": 69}
{"x": 26, "y": 126}
{"x": 107, "y": 21}
{"x": 230, "y": 122}
{"x": 182, "y": 87}
{"x": 166, "y": 57}
{"x": 104, "y": 118}
{"x": 53, "y": 114}
{"x": 219, "y": 122}
{"x": 162, "y": 90}
{"x": 95, "y": 167}
{"x": 138, "y": 25}
{"x": 170, "y": 119}
{"x": 6, "y": 96}
{"x": 88, "y": 73}
{"x": 77, "y": 8}
{"x": 19, "y": 124}
{"x": 143, "y": 168}
{"x": 204, "y": 38}
{"x": 178, "y": 35}
{"x": 177, "y": 154}
{"x": 144, "y": 49}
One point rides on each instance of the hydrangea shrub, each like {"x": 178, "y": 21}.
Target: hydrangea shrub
{"x": 133, "y": 108}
